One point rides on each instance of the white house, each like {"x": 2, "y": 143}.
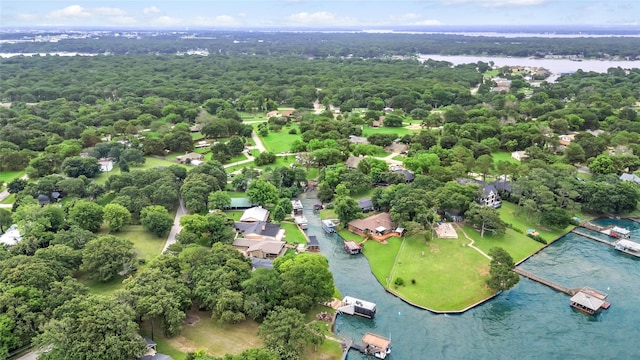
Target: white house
{"x": 12, "y": 236}
{"x": 255, "y": 214}
{"x": 519, "y": 155}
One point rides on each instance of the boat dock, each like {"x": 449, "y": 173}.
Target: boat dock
{"x": 544, "y": 281}
{"x": 373, "y": 345}
{"x": 593, "y": 237}
{"x": 612, "y": 231}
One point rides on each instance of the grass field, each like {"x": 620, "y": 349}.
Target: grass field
{"x": 293, "y": 235}
{"x": 8, "y": 176}
{"x": 150, "y": 163}
{"x": 447, "y": 276}
{"x": 213, "y": 337}
{"x": 9, "y": 199}
{"x": 504, "y": 156}
{"x": 101, "y": 288}
{"x": 277, "y": 142}
{"x": 381, "y": 257}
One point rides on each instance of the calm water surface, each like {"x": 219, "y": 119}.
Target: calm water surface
{"x": 529, "y": 321}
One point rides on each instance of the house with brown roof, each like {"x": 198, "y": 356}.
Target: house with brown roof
{"x": 189, "y": 158}
{"x": 353, "y": 161}
{"x": 273, "y": 113}
{"x": 287, "y": 113}
{"x": 261, "y": 249}
{"x": 379, "y": 227}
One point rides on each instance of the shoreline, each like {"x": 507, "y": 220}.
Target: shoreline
{"x": 455, "y": 312}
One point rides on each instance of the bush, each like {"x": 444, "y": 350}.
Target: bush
{"x": 537, "y": 238}
{"x": 329, "y": 206}
{"x": 413, "y": 281}
{"x": 398, "y": 282}
{"x": 518, "y": 230}
{"x": 293, "y": 131}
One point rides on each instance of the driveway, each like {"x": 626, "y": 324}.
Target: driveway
{"x": 258, "y": 142}
{"x": 176, "y": 228}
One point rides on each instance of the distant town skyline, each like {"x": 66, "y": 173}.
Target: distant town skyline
{"x": 315, "y": 14}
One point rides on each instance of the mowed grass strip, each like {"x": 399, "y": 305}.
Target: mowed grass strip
{"x": 448, "y": 277}
{"x": 8, "y": 176}
{"x": 381, "y": 257}
{"x": 293, "y": 235}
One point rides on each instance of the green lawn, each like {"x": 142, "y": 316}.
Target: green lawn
{"x": 8, "y": 176}
{"x": 293, "y": 235}
{"x": 147, "y": 244}
{"x": 280, "y": 162}
{"x": 234, "y": 214}
{"x": 101, "y": 288}
{"x": 504, "y": 156}
{"x": 381, "y": 257}
{"x": 400, "y": 131}
{"x": 213, "y": 337}
{"x": 349, "y": 236}
{"x": 328, "y": 214}
{"x": 277, "y": 142}
{"x": 150, "y": 163}
{"x": 508, "y": 215}
{"x": 448, "y": 276}
{"x": 9, "y": 199}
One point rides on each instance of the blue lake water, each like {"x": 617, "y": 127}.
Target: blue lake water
{"x": 530, "y": 321}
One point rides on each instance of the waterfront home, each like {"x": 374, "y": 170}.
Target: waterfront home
{"x": 261, "y": 249}
{"x": 379, "y": 227}
{"x": 259, "y": 230}
{"x": 487, "y": 195}
{"x": 519, "y": 155}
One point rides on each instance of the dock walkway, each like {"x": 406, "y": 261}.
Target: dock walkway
{"x": 546, "y": 282}
{"x": 592, "y": 237}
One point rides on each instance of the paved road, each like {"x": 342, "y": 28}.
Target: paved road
{"x": 5, "y": 194}
{"x": 176, "y": 228}
{"x": 259, "y": 144}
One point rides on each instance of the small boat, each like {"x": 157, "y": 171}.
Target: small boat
{"x": 628, "y": 247}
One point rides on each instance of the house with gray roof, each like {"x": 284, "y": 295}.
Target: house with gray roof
{"x": 488, "y": 194}
{"x": 259, "y": 230}
{"x": 366, "y": 205}
{"x": 630, "y": 177}
{"x": 261, "y": 249}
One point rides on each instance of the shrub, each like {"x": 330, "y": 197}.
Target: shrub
{"x": 413, "y": 281}
{"x": 537, "y": 238}
{"x": 398, "y": 282}
{"x": 293, "y": 131}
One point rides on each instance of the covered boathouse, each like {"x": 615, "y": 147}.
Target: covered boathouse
{"x": 589, "y": 301}
{"x": 353, "y": 306}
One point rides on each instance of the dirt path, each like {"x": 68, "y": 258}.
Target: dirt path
{"x": 472, "y": 242}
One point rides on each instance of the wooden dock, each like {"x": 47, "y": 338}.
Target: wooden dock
{"x": 592, "y": 237}
{"x": 546, "y": 282}
{"x": 346, "y": 346}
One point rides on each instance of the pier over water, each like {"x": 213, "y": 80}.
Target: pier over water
{"x": 544, "y": 281}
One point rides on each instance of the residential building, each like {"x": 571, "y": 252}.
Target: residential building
{"x": 189, "y": 158}
{"x": 254, "y": 214}
{"x": 519, "y": 155}
{"x": 366, "y": 205}
{"x": 261, "y": 249}
{"x": 487, "y": 195}
{"x": 378, "y": 226}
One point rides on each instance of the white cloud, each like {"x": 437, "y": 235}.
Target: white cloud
{"x": 221, "y": 20}
{"x": 496, "y": 3}
{"x": 151, "y": 10}
{"x": 320, "y": 18}
{"x": 107, "y": 11}
{"x": 428, "y": 22}
{"x": 167, "y": 21}
{"x": 70, "y": 12}
{"x": 27, "y": 17}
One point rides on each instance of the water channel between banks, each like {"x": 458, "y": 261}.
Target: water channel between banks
{"x": 529, "y": 321}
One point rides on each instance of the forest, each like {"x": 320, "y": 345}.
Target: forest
{"x": 62, "y": 116}
{"x": 317, "y": 44}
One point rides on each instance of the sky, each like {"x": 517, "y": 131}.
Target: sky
{"x": 367, "y": 14}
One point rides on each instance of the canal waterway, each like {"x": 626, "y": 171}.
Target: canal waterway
{"x": 529, "y": 321}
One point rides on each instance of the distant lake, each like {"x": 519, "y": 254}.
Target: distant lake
{"x": 556, "y": 66}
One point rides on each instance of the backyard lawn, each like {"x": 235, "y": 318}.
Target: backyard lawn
{"x": 504, "y": 156}
{"x": 293, "y": 235}
{"x": 381, "y": 257}
{"x": 400, "y": 131}
{"x": 277, "y": 142}
{"x": 215, "y": 338}
{"x": 8, "y": 176}
{"x": 447, "y": 276}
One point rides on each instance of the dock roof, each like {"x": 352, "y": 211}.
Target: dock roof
{"x": 588, "y": 301}
{"x": 376, "y": 340}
